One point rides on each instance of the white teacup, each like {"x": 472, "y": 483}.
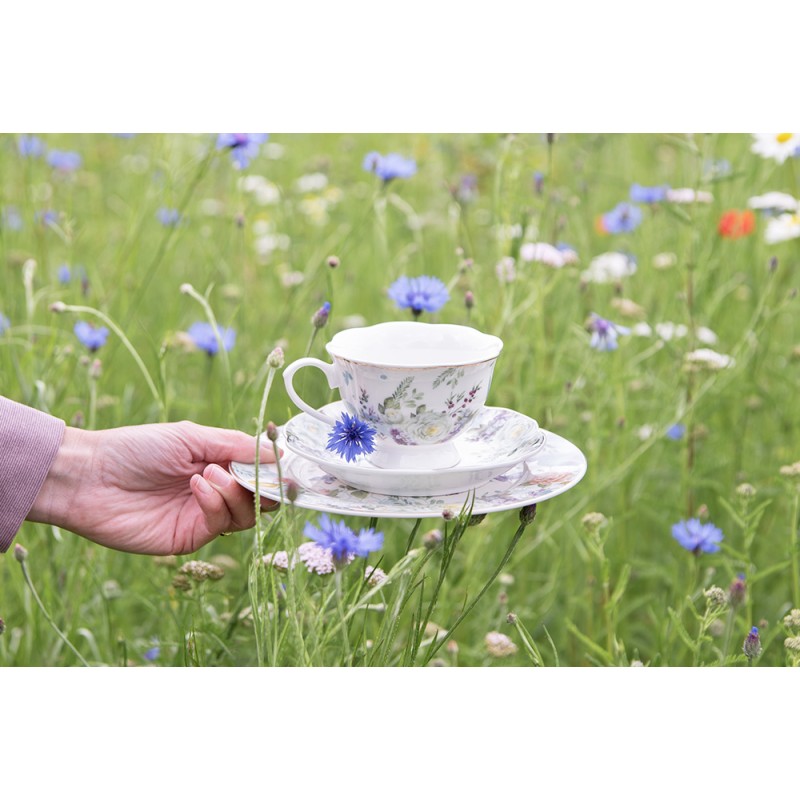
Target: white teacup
{"x": 418, "y": 384}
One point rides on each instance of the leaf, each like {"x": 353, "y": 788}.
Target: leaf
{"x": 682, "y": 632}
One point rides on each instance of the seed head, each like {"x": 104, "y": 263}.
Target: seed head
{"x": 201, "y": 570}
{"x": 792, "y": 619}
{"x": 182, "y": 583}
{"x": 716, "y": 597}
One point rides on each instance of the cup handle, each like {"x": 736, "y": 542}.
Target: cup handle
{"x": 330, "y": 374}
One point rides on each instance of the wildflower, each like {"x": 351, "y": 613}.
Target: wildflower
{"x": 778, "y": 146}
{"x": 716, "y": 597}
{"x": 792, "y": 643}
{"x": 696, "y": 536}
{"x": 543, "y": 253}
{"x": 645, "y": 432}
{"x": 278, "y": 560}
{"x": 735, "y": 224}
{"x": 420, "y": 294}
{"x": 181, "y": 583}
{"x": 89, "y": 336}
{"x": 505, "y": 270}
{"x": 782, "y": 228}
{"x": 746, "y": 490}
{"x": 676, "y": 432}
{"x": 792, "y": 619}
{"x": 64, "y": 161}
{"x": 313, "y": 182}
{"x": 432, "y": 539}
{"x": 152, "y": 654}
{"x": 341, "y": 541}
{"x": 64, "y": 274}
{"x": 511, "y": 618}
{"x": 623, "y": 218}
{"x": 204, "y": 336}
{"x": 467, "y": 189}
{"x": 48, "y": 217}
{"x": 374, "y": 576}
{"x": 720, "y": 168}
{"x": 320, "y": 318}
{"x": 604, "y": 333}
{"x": 609, "y": 268}
{"x": 752, "y": 644}
{"x": 30, "y": 146}
{"x": 390, "y": 166}
{"x": 790, "y": 470}
{"x": 627, "y": 308}
{"x": 499, "y": 645}
{"x": 568, "y": 252}
{"x": 5, "y": 323}
{"x": 168, "y": 217}
{"x": 648, "y": 194}
{"x": 664, "y": 260}
{"x": 685, "y": 196}
{"x": 774, "y": 202}
{"x": 332, "y": 262}
{"x": 737, "y": 590}
{"x": 709, "y": 359}
{"x": 319, "y": 559}
{"x": 11, "y": 219}
{"x": 538, "y": 181}
{"x": 669, "y": 331}
{"x": 243, "y": 146}
{"x": 20, "y": 553}
{"x": 593, "y": 521}
{"x": 351, "y": 437}
{"x": 275, "y": 359}
{"x": 706, "y": 335}
{"x": 201, "y": 570}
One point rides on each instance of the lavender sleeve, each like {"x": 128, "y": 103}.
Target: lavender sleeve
{"x": 29, "y": 441}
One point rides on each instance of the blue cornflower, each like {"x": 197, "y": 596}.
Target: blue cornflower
{"x": 419, "y": 294}
{"x": 390, "y": 166}
{"x": 320, "y": 317}
{"x": 64, "y": 274}
{"x": 605, "y": 333}
{"x": 64, "y": 160}
{"x": 152, "y": 654}
{"x": 621, "y": 219}
{"x": 676, "y": 431}
{"x": 48, "y": 217}
{"x": 243, "y": 146}
{"x": 696, "y": 536}
{"x": 351, "y": 437}
{"x": 648, "y": 194}
{"x": 204, "y": 337}
{"x": 11, "y": 219}
{"x": 5, "y": 324}
{"x": 30, "y": 146}
{"x": 89, "y": 336}
{"x": 168, "y": 217}
{"x": 538, "y": 182}
{"x": 341, "y": 541}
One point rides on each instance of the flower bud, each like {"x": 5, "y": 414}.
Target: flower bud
{"x": 95, "y": 369}
{"x": 746, "y": 490}
{"x": 20, "y": 553}
{"x": 272, "y": 431}
{"x": 593, "y": 521}
{"x": 716, "y": 597}
{"x": 737, "y": 590}
{"x": 752, "y": 644}
{"x": 320, "y": 318}
{"x": 527, "y": 514}
{"x": 58, "y": 307}
{"x": 291, "y": 490}
{"x": 187, "y": 288}
{"x": 432, "y": 539}
{"x": 448, "y": 514}
{"x": 469, "y": 300}
{"x": 476, "y": 519}
{"x": 333, "y": 262}
{"x": 511, "y": 619}
{"x": 275, "y": 359}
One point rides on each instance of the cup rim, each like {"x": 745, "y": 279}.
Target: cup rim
{"x": 491, "y": 342}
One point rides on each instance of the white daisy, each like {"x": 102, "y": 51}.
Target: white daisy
{"x": 609, "y": 268}
{"x": 778, "y": 146}
{"x": 773, "y": 201}
{"x": 782, "y": 228}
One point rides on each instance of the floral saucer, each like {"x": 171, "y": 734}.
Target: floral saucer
{"x": 496, "y": 441}
{"x": 558, "y": 466}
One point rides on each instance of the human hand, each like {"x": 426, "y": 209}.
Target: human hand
{"x": 157, "y": 489}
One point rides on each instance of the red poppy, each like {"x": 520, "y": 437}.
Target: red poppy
{"x": 734, "y": 224}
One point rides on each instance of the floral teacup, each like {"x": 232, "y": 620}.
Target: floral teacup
{"x": 418, "y": 384}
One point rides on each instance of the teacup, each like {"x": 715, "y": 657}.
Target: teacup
{"x": 419, "y": 385}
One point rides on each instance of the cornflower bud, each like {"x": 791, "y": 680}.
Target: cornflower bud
{"x": 527, "y": 514}
{"x": 291, "y": 490}
{"x": 448, "y": 514}
{"x": 20, "y": 553}
{"x": 737, "y": 590}
{"x": 752, "y": 644}
{"x": 272, "y": 432}
{"x": 469, "y": 300}
{"x": 476, "y": 519}
{"x": 320, "y": 318}
{"x": 275, "y": 359}
{"x": 95, "y": 369}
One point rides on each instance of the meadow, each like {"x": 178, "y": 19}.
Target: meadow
{"x": 644, "y": 286}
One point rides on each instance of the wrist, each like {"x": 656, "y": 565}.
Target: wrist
{"x": 57, "y": 495}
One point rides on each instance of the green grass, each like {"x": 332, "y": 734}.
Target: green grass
{"x": 623, "y": 593}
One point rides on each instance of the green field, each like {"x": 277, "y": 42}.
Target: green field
{"x": 667, "y": 438}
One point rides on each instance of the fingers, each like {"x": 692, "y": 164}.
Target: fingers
{"x": 220, "y": 445}
{"x": 226, "y": 505}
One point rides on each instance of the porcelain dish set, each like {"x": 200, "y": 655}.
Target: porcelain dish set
{"x": 422, "y": 387}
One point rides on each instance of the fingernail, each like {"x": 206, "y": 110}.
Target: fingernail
{"x": 217, "y": 476}
{"x": 199, "y": 483}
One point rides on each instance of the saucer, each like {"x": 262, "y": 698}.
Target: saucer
{"x": 558, "y": 466}
{"x": 496, "y": 441}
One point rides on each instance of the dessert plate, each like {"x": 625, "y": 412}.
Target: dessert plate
{"x": 496, "y": 441}
{"x": 557, "y": 467}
